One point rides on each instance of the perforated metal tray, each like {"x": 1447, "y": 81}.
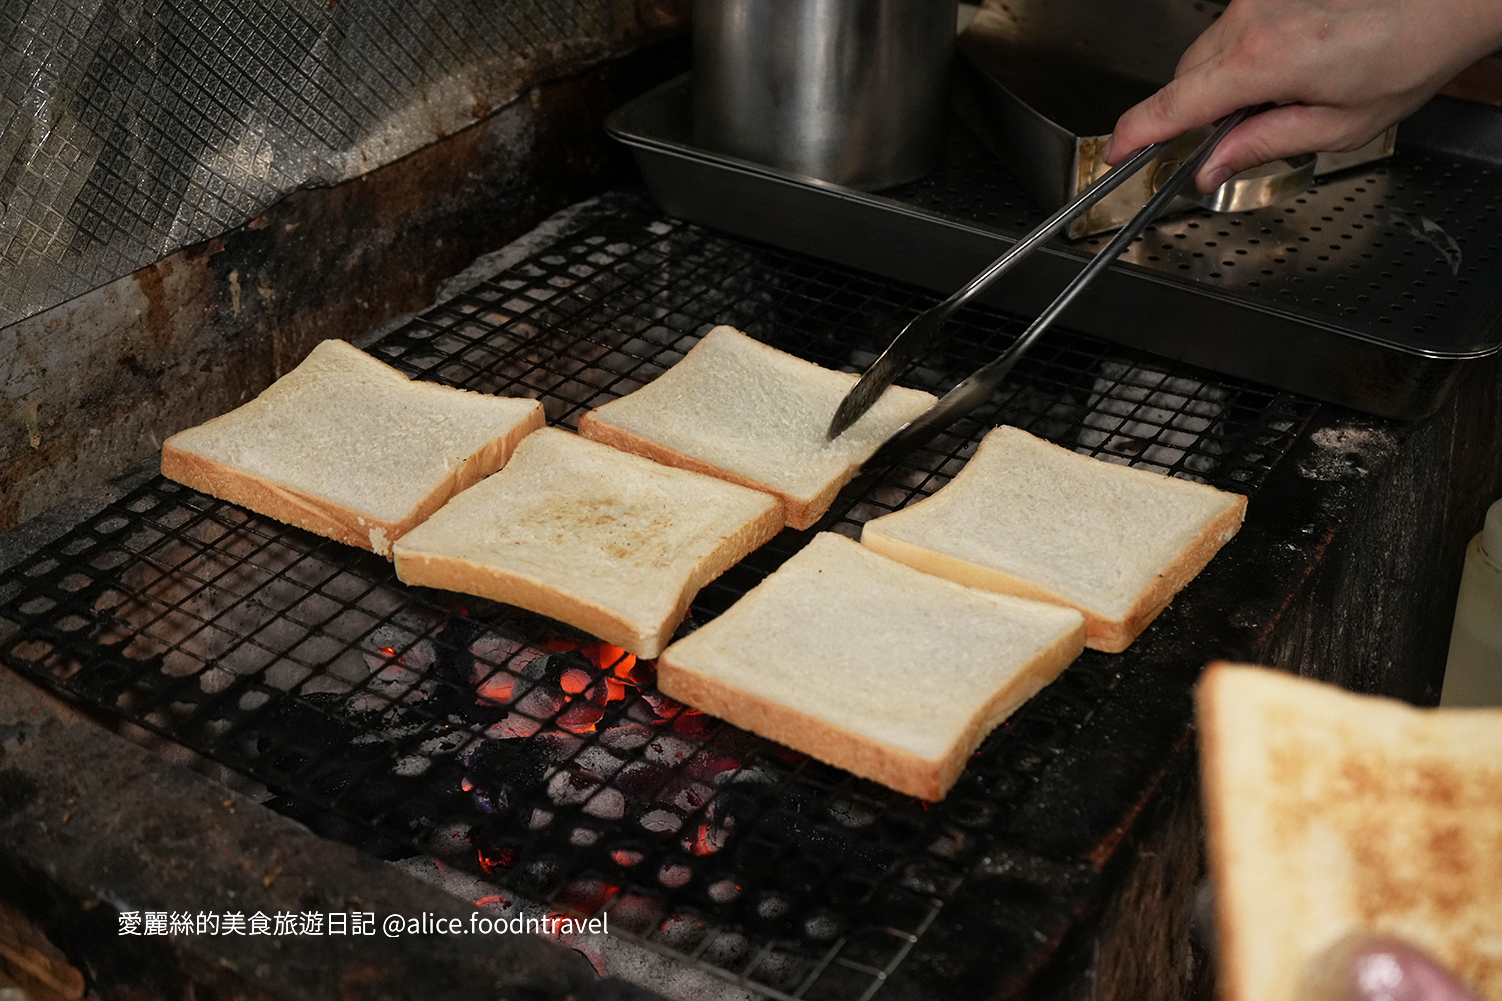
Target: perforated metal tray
{"x": 1371, "y": 290}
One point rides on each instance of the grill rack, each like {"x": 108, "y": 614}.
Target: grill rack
{"x": 376, "y": 713}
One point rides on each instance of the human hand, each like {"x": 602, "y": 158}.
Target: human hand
{"x": 1341, "y": 71}
{"x": 1372, "y": 968}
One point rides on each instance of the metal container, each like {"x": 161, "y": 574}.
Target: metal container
{"x": 1051, "y": 77}
{"x": 849, "y": 91}
{"x": 1372, "y": 290}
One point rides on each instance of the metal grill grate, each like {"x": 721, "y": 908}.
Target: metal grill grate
{"x": 512, "y": 746}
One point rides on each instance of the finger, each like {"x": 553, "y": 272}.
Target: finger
{"x": 1198, "y": 98}
{"x": 1371, "y": 968}
{"x": 1282, "y": 132}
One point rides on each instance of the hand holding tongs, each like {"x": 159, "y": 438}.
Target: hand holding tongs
{"x": 923, "y": 330}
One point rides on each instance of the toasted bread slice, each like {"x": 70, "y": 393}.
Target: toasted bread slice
{"x": 745, "y": 412}
{"x": 604, "y": 540}
{"x": 1029, "y": 518}
{"x": 350, "y": 448}
{"x": 866, "y": 664}
{"x": 1331, "y": 814}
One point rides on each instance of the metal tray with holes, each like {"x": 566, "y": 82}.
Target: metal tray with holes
{"x": 1370, "y": 290}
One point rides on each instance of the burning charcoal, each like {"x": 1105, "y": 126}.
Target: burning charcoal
{"x": 823, "y": 925}
{"x": 682, "y": 930}
{"x": 729, "y": 950}
{"x": 582, "y": 836}
{"x": 486, "y": 800}
{"x": 636, "y": 912}
{"x": 664, "y": 707}
{"x": 659, "y": 821}
{"x": 598, "y": 761}
{"x": 684, "y": 794}
{"x": 587, "y": 896}
{"x": 705, "y": 838}
{"x": 571, "y": 787}
{"x": 709, "y": 766}
{"x": 607, "y": 804}
{"x": 641, "y": 780}
{"x": 513, "y": 727}
{"x": 411, "y": 765}
{"x": 724, "y": 890}
{"x": 674, "y": 874}
{"x": 580, "y": 716}
{"x": 494, "y": 849}
{"x": 625, "y": 736}
{"x": 540, "y": 703}
{"x": 493, "y": 654}
{"x": 628, "y": 854}
{"x": 771, "y": 913}
{"x": 853, "y": 813}
{"x": 668, "y": 750}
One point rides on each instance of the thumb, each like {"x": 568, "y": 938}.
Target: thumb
{"x": 1372, "y": 968}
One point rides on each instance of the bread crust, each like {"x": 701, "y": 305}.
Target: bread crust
{"x": 1231, "y": 982}
{"x": 328, "y": 518}
{"x": 801, "y": 512}
{"x": 645, "y": 639}
{"x": 853, "y": 751}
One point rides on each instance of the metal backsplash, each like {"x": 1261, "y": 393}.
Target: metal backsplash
{"x": 132, "y": 128}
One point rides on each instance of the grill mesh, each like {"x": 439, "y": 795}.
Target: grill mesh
{"x": 510, "y": 745}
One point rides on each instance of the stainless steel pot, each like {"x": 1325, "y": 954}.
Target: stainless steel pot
{"x": 849, "y": 91}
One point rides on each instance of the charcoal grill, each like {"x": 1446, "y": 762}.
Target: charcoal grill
{"x": 420, "y": 724}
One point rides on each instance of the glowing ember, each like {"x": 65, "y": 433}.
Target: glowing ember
{"x": 610, "y": 658}
{"x": 706, "y": 841}
{"x": 693, "y": 724}
{"x": 497, "y": 688}
{"x": 580, "y": 717}
{"x": 625, "y": 857}
{"x": 574, "y": 680}
{"x": 499, "y": 858}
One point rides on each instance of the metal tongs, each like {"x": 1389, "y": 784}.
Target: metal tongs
{"x": 923, "y": 331}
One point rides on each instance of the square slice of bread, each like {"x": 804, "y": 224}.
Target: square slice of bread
{"x": 613, "y": 543}
{"x": 871, "y": 666}
{"x": 1029, "y": 518}
{"x": 348, "y": 447}
{"x": 1331, "y": 814}
{"x": 746, "y": 412}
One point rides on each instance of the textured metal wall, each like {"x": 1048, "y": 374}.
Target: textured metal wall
{"x": 132, "y": 128}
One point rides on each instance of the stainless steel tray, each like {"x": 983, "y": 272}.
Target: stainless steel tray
{"x": 1370, "y": 290}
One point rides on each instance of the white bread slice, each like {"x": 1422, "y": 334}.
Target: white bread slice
{"x": 871, "y": 666}
{"x": 1331, "y": 813}
{"x": 610, "y": 542}
{"x": 741, "y": 410}
{"x": 348, "y": 447}
{"x": 1029, "y": 518}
